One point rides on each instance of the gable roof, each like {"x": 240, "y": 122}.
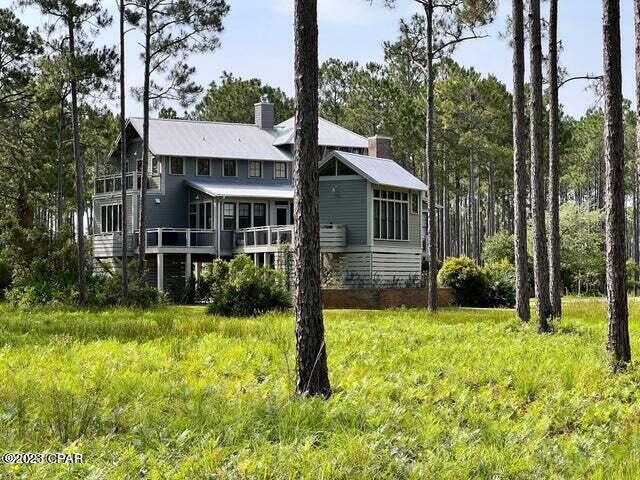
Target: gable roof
{"x": 379, "y": 171}
{"x": 329, "y": 135}
{"x": 187, "y": 138}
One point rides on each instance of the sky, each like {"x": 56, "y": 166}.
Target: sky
{"x": 258, "y": 42}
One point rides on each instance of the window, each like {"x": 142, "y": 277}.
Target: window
{"x": 111, "y": 218}
{"x": 259, "y": 214}
{"x": 229, "y": 214}
{"x": 200, "y": 215}
{"x": 280, "y": 170}
{"x": 229, "y": 168}
{"x": 390, "y": 215}
{"x": 244, "y": 215}
{"x": 414, "y": 203}
{"x": 155, "y": 165}
{"x": 176, "y": 166}
{"x": 255, "y": 169}
{"x": 204, "y": 167}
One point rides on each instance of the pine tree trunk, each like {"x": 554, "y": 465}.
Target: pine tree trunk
{"x": 432, "y": 287}
{"x": 618, "y": 331}
{"x": 457, "y": 226}
{"x": 142, "y": 225}
{"x": 519, "y": 164}
{"x": 446, "y": 225}
{"x": 311, "y": 359}
{"x": 540, "y": 263}
{"x": 123, "y": 162}
{"x": 79, "y": 167}
{"x": 60, "y": 175}
{"x": 636, "y": 206}
{"x": 555, "y": 279}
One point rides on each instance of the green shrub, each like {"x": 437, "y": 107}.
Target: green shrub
{"x": 501, "y": 284}
{"x": 103, "y": 291}
{"x": 239, "y": 288}
{"x": 106, "y": 291}
{"x": 466, "y": 279}
{"x": 498, "y": 247}
{"x": 6, "y": 276}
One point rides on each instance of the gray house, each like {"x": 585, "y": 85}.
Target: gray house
{"x": 217, "y": 189}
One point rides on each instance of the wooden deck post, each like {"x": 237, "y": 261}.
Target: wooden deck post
{"x": 187, "y": 268}
{"x": 160, "y": 264}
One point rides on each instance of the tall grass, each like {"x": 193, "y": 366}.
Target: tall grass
{"x": 175, "y": 393}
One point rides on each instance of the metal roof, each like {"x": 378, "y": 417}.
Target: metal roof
{"x": 243, "y": 189}
{"x": 329, "y": 135}
{"x": 379, "y": 171}
{"x": 188, "y": 138}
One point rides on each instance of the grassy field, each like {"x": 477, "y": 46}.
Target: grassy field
{"x": 177, "y": 394}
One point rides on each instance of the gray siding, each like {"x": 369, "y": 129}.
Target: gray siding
{"x": 345, "y": 202}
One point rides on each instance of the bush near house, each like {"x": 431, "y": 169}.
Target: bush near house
{"x": 466, "y": 279}
{"x": 240, "y": 288}
{"x": 474, "y": 286}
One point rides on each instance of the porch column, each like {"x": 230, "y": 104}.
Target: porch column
{"x": 187, "y": 269}
{"x": 160, "y": 265}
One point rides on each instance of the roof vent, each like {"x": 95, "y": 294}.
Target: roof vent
{"x": 264, "y": 111}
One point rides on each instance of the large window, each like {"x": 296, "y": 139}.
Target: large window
{"x": 259, "y": 214}
{"x": 280, "y": 170}
{"x": 176, "y": 166}
{"x": 244, "y": 215}
{"x": 255, "y": 169}
{"x": 230, "y": 169}
{"x": 111, "y": 218}
{"x": 390, "y": 215}
{"x": 229, "y": 214}
{"x": 204, "y": 167}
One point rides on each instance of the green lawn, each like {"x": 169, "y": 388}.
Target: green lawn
{"x": 177, "y": 394}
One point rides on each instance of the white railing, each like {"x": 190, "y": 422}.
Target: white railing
{"x": 331, "y": 236}
{"x": 180, "y": 238}
{"x": 271, "y": 235}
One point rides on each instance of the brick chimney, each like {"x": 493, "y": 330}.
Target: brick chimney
{"x": 264, "y": 113}
{"x": 380, "y": 146}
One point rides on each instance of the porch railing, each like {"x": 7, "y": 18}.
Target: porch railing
{"x": 182, "y": 238}
{"x": 331, "y": 236}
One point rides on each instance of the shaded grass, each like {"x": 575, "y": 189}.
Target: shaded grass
{"x": 174, "y": 393}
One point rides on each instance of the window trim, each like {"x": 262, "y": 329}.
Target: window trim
{"x": 235, "y": 163}
{"x": 225, "y": 217}
{"x": 115, "y": 219}
{"x": 171, "y": 172}
{"x": 259, "y": 162}
{"x": 398, "y": 205}
{"x": 198, "y": 174}
{"x": 417, "y": 205}
{"x": 286, "y": 171}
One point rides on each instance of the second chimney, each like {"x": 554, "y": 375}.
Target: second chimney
{"x": 380, "y": 146}
{"x": 264, "y": 114}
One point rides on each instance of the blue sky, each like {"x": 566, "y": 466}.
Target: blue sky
{"x": 258, "y": 42}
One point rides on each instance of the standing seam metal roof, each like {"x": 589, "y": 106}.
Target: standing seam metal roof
{"x": 210, "y": 139}
{"x": 379, "y": 171}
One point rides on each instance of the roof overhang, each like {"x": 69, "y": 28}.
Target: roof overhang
{"x": 242, "y": 189}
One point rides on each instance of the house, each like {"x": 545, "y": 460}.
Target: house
{"x": 218, "y": 189}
